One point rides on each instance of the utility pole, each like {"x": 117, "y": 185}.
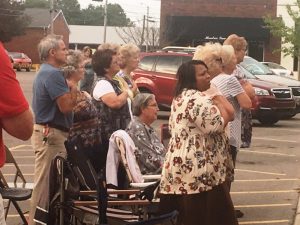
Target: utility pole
{"x": 143, "y": 32}
{"x": 147, "y": 29}
{"x": 51, "y": 15}
{"x": 105, "y": 21}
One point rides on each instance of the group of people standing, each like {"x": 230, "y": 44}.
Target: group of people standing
{"x": 70, "y": 103}
{"x": 205, "y": 125}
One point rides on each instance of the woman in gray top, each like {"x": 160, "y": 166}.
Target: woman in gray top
{"x": 150, "y": 151}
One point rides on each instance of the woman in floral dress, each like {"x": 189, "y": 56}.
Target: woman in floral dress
{"x": 197, "y": 160}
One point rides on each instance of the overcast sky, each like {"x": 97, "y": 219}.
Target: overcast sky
{"x": 134, "y": 9}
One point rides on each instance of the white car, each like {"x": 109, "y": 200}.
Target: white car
{"x": 279, "y": 70}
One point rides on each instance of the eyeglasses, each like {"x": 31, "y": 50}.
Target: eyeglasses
{"x": 153, "y": 105}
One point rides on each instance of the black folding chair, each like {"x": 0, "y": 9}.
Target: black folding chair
{"x": 94, "y": 186}
{"x": 14, "y": 194}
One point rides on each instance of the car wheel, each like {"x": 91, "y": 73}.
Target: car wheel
{"x": 268, "y": 120}
{"x": 19, "y": 69}
{"x": 28, "y": 69}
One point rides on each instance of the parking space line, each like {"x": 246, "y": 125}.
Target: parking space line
{"x": 10, "y": 165}
{"x": 13, "y": 174}
{"x": 267, "y": 153}
{"x": 293, "y": 130}
{"x": 255, "y": 171}
{"x": 272, "y": 139}
{"x": 24, "y": 156}
{"x": 264, "y": 222}
{"x": 15, "y": 215}
{"x": 19, "y": 146}
{"x": 263, "y": 205}
{"x": 269, "y": 180}
{"x": 262, "y": 192}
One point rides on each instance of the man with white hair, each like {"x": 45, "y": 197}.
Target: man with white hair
{"x": 53, "y": 102}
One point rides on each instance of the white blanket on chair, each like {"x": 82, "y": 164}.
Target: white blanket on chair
{"x": 113, "y": 159}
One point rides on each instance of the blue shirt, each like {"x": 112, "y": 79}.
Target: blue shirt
{"x": 48, "y": 85}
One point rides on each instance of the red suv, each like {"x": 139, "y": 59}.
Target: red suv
{"x": 157, "y": 74}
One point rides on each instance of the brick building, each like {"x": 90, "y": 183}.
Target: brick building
{"x": 38, "y": 28}
{"x": 194, "y": 22}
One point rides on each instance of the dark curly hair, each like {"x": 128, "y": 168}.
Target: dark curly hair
{"x": 101, "y": 60}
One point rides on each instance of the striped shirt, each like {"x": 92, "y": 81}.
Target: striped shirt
{"x": 230, "y": 87}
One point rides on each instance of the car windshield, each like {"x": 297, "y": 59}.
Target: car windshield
{"x": 248, "y": 75}
{"x": 16, "y": 55}
{"x": 255, "y": 67}
{"x": 275, "y": 66}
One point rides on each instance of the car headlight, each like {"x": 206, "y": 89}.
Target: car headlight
{"x": 259, "y": 91}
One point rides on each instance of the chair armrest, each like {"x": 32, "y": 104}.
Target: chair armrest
{"x": 141, "y": 185}
{"x": 152, "y": 177}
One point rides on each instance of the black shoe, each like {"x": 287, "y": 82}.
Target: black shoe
{"x": 239, "y": 213}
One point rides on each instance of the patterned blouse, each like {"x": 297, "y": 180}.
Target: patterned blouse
{"x": 150, "y": 153}
{"x": 197, "y": 158}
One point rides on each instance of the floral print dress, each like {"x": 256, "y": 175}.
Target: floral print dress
{"x": 197, "y": 158}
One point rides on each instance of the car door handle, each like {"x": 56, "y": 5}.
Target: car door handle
{"x": 153, "y": 77}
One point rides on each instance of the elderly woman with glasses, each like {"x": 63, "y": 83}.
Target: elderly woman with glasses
{"x": 85, "y": 131}
{"x": 150, "y": 151}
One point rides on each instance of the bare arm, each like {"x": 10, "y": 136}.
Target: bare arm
{"x": 19, "y": 126}
{"x": 244, "y": 100}
{"x": 67, "y": 101}
{"x": 248, "y": 88}
{"x": 226, "y": 109}
{"x": 114, "y": 101}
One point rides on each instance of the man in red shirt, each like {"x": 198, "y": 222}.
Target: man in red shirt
{"x": 15, "y": 116}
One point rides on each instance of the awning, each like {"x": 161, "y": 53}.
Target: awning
{"x": 212, "y": 28}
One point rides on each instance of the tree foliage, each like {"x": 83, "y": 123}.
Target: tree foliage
{"x": 92, "y": 15}
{"x": 12, "y": 19}
{"x": 290, "y": 35}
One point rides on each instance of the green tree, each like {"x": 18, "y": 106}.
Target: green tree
{"x": 37, "y": 4}
{"x": 94, "y": 15}
{"x": 290, "y": 35}
{"x": 12, "y": 19}
{"x": 71, "y": 10}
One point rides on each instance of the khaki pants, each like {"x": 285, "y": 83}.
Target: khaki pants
{"x": 44, "y": 154}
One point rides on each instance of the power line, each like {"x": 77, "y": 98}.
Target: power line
{"x": 11, "y": 10}
{"x": 3, "y": 14}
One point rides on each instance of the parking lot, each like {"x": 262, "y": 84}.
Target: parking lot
{"x": 266, "y": 187}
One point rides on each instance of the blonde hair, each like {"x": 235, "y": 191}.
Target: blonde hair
{"x": 209, "y": 54}
{"x": 111, "y": 46}
{"x": 237, "y": 42}
{"x": 227, "y": 54}
{"x": 126, "y": 51}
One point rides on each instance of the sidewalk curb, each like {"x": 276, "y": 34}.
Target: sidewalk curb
{"x": 297, "y": 216}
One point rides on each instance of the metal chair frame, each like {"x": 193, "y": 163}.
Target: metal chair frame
{"x": 14, "y": 194}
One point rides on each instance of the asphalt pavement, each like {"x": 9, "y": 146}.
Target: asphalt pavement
{"x": 267, "y": 183}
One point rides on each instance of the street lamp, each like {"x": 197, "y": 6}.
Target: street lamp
{"x": 105, "y": 19}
